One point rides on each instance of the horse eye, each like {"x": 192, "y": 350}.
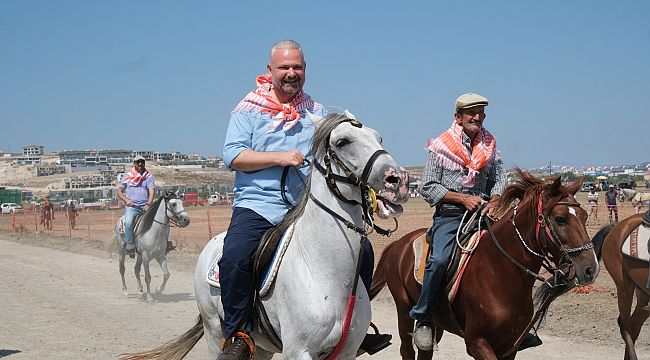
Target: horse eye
{"x": 560, "y": 221}
{"x": 342, "y": 142}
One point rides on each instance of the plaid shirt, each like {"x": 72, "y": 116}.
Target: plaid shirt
{"x": 438, "y": 180}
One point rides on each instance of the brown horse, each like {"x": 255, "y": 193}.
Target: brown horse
{"x": 630, "y": 276}
{"x": 493, "y": 309}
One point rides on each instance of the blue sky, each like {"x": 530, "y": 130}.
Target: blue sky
{"x": 568, "y": 81}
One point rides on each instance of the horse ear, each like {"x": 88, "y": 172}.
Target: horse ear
{"x": 349, "y": 115}
{"x": 574, "y": 187}
{"x": 315, "y": 119}
{"x": 555, "y": 187}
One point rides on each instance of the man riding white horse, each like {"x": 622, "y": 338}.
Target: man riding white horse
{"x": 268, "y": 131}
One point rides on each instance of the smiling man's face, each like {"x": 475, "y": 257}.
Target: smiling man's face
{"x": 471, "y": 120}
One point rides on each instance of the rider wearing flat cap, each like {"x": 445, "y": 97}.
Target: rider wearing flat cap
{"x": 463, "y": 169}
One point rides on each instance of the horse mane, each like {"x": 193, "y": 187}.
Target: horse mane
{"x": 526, "y": 188}
{"x": 147, "y": 218}
{"x": 330, "y": 122}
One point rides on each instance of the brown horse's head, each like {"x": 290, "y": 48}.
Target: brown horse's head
{"x": 559, "y": 224}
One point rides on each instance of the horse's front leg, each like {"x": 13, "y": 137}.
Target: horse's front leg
{"x": 122, "y": 255}
{"x": 162, "y": 261}
{"x": 147, "y": 278}
{"x": 136, "y": 269}
{"x": 480, "y": 349}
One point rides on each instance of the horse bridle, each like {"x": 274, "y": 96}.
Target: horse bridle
{"x": 368, "y": 195}
{"x": 172, "y": 219}
{"x": 563, "y": 264}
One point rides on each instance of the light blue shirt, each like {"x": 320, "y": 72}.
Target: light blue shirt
{"x": 260, "y": 190}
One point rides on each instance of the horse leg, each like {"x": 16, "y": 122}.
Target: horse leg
{"x": 162, "y": 261}
{"x": 136, "y": 269}
{"x": 147, "y": 278}
{"x": 480, "y": 349}
{"x": 122, "y": 269}
{"x": 405, "y": 323}
{"x": 639, "y": 316}
{"x": 625, "y": 293}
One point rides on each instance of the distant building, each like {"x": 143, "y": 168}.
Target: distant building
{"x": 74, "y": 157}
{"x": 50, "y": 169}
{"x": 28, "y": 160}
{"x": 116, "y": 156}
{"x": 148, "y": 155}
{"x": 33, "y": 150}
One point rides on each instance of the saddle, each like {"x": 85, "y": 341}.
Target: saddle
{"x": 635, "y": 249}
{"x": 460, "y": 257}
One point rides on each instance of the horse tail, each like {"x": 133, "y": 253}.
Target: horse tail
{"x": 599, "y": 239}
{"x": 173, "y": 349}
{"x": 379, "y": 279}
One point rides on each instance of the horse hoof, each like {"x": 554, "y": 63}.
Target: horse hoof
{"x": 149, "y": 299}
{"x": 125, "y": 293}
{"x": 159, "y": 291}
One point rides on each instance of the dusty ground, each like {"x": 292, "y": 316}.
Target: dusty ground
{"x": 61, "y": 299}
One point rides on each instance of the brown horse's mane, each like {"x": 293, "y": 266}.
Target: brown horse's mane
{"x": 525, "y": 191}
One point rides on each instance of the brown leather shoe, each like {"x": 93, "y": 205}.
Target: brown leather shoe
{"x": 240, "y": 347}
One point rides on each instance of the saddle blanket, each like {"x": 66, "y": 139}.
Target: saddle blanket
{"x": 636, "y": 245}
{"x": 268, "y": 274}
{"x": 420, "y": 251}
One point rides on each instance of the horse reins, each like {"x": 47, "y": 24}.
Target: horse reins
{"x": 172, "y": 219}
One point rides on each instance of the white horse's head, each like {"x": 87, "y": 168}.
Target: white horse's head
{"x": 175, "y": 210}
{"x": 352, "y": 150}
{"x": 626, "y": 194}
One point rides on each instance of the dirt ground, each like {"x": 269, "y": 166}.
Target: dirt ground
{"x": 62, "y": 297}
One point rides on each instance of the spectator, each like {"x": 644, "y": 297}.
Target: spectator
{"x": 610, "y": 200}
{"x": 592, "y": 201}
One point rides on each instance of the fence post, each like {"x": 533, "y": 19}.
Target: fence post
{"x": 88, "y": 222}
{"x": 69, "y": 223}
{"x": 209, "y": 224}
{"x": 13, "y": 221}
{"x": 35, "y": 220}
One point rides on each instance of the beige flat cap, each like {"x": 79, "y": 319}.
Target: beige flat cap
{"x": 470, "y": 100}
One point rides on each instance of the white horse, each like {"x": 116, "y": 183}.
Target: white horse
{"x": 151, "y": 232}
{"x": 308, "y": 302}
{"x": 636, "y": 198}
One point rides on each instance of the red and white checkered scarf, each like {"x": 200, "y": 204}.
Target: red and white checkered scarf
{"x": 287, "y": 115}
{"x": 134, "y": 178}
{"x": 453, "y": 155}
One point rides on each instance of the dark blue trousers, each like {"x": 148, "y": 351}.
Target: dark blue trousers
{"x": 236, "y": 269}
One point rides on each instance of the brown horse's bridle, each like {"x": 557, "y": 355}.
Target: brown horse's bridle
{"x": 563, "y": 263}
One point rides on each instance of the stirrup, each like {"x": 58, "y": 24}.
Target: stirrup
{"x": 246, "y": 338}
{"x": 374, "y": 343}
{"x": 530, "y": 340}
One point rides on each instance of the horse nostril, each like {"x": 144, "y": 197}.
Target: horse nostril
{"x": 589, "y": 272}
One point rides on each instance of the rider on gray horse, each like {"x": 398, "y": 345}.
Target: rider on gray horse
{"x": 137, "y": 191}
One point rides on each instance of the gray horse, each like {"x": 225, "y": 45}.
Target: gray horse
{"x": 638, "y": 199}
{"x": 308, "y": 303}
{"x": 151, "y": 232}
